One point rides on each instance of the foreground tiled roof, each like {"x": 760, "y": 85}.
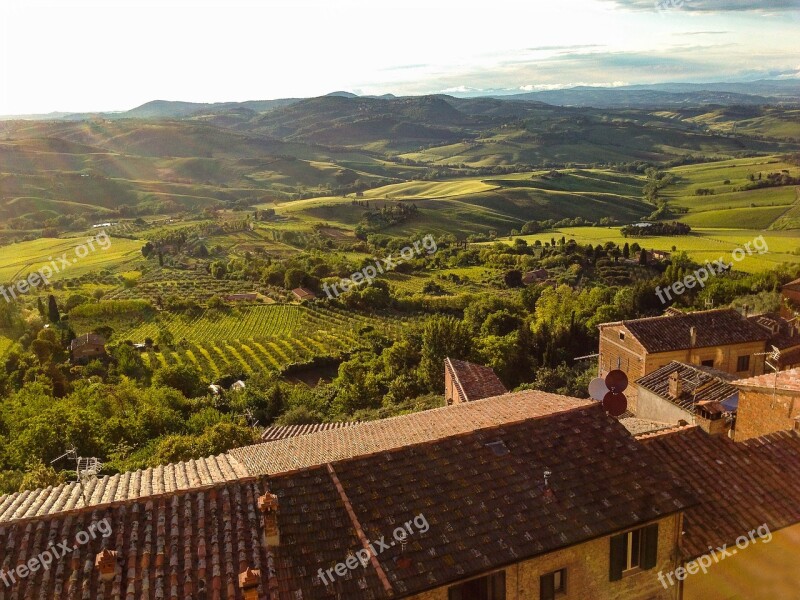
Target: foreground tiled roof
{"x": 180, "y": 546}
{"x": 482, "y": 493}
{"x": 474, "y": 382}
{"x": 370, "y": 437}
{"x": 281, "y": 432}
{"x": 785, "y": 380}
{"x": 486, "y": 505}
{"x": 699, "y": 384}
{"x": 740, "y": 486}
{"x": 121, "y": 487}
{"x": 713, "y": 328}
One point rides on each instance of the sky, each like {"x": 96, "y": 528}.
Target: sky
{"x": 104, "y": 55}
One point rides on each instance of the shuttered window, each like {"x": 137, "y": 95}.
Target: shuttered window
{"x": 635, "y": 550}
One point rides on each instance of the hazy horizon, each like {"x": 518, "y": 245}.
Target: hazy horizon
{"x": 111, "y": 56}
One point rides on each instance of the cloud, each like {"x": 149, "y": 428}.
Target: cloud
{"x": 710, "y": 6}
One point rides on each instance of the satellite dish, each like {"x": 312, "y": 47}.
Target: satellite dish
{"x": 598, "y": 388}
{"x": 615, "y": 404}
{"x": 617, "y": 381}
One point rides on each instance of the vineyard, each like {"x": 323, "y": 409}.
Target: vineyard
{"x": 185, "y": 284}
{"x": 452, "y": 281}
{"x": 257, "y": 338}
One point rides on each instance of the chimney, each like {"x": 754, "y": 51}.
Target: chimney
{"x": 106, "y": 564}
{"x": 248, "y": 583}
{"x": 268, "y": 504}
{"x": 675, "y": 385}
{"x": 692, "y": 336}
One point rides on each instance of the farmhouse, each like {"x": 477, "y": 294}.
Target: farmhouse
{"x": 535, "y": 276}
{"x": 722, "y": 339}
{"x": 303, "y": 293}
{"x": 86, "y": 347}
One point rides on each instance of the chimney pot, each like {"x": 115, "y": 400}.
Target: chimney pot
{"x": 692, "y": 336}
{"x": 106, "y": 564}
{"x": 248, "y": 583}
{"x": 675, "y": 385}
{"x": 268, "y": 504}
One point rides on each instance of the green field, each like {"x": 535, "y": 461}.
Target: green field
{"x": 476, "y": 205}
{"x": 17, "y": 260}
{"x": 701, "y": 245}
{"x": 729, "y": 207}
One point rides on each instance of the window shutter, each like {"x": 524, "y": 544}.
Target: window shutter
{"x": 617, "y": 556}
{"x": 650, "y": 546}
{"x": 547, "y": 588}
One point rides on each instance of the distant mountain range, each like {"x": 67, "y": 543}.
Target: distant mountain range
{"x": 662, "y": 95}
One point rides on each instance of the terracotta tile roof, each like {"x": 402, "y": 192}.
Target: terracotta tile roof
{"x": 739, "y": 485}
{"x": 717, "y": 327}
{"x": 281, "y": 432}
{"x": 87, "y": 339}
{"x": 485, "y": 509}
{"x": 792, "y": 285}
{"x": 698, "y": 384}
{"x": 302, "y": 293}
{"x": 785, "y": 380}
{"x": 474, "y": 382}
{"x": 782, "y": 334}
{"x": 120, "y": 488}
{"x": 370, "y": 437}
{"x": 188, "y": 545}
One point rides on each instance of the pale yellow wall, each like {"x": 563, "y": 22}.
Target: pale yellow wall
{"x": 761, "y": 571}
{"x": 587, "y": 573}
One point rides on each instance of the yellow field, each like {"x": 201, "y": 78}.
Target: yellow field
{"x": 17, "y": 260}
{"x": 701, "y": 245}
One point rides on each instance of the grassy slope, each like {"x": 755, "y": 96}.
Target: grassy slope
{"x": 754, "y": 209}
{"x": 702, "y": 245}
{"x": 474, "y": 205}
{"x": 20, "y": 259}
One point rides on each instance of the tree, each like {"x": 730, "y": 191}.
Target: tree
{"x": 53, "y": 314}
{"x": 643, "y": 257}
{"x": 183, "y": 378}
{"x": 40, "y": 307}
{"x": 293, "y": 278}
{"x": 442, "y": 337}
{"x": 513, "y": 278}
{"x": 626, "y": 250}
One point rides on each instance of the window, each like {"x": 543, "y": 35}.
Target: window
{"x": 491, "y": 587}
{"x": 553, "y": 585}
{"x": 708, "y": 363}
{"x": 633, "y": 551}
{"x": 743, "y": 363}
{"x": 622, "y": 335}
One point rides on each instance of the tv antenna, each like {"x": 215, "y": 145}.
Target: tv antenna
{"x": 86, "y": 469}
{"x": 773, "y": 361}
